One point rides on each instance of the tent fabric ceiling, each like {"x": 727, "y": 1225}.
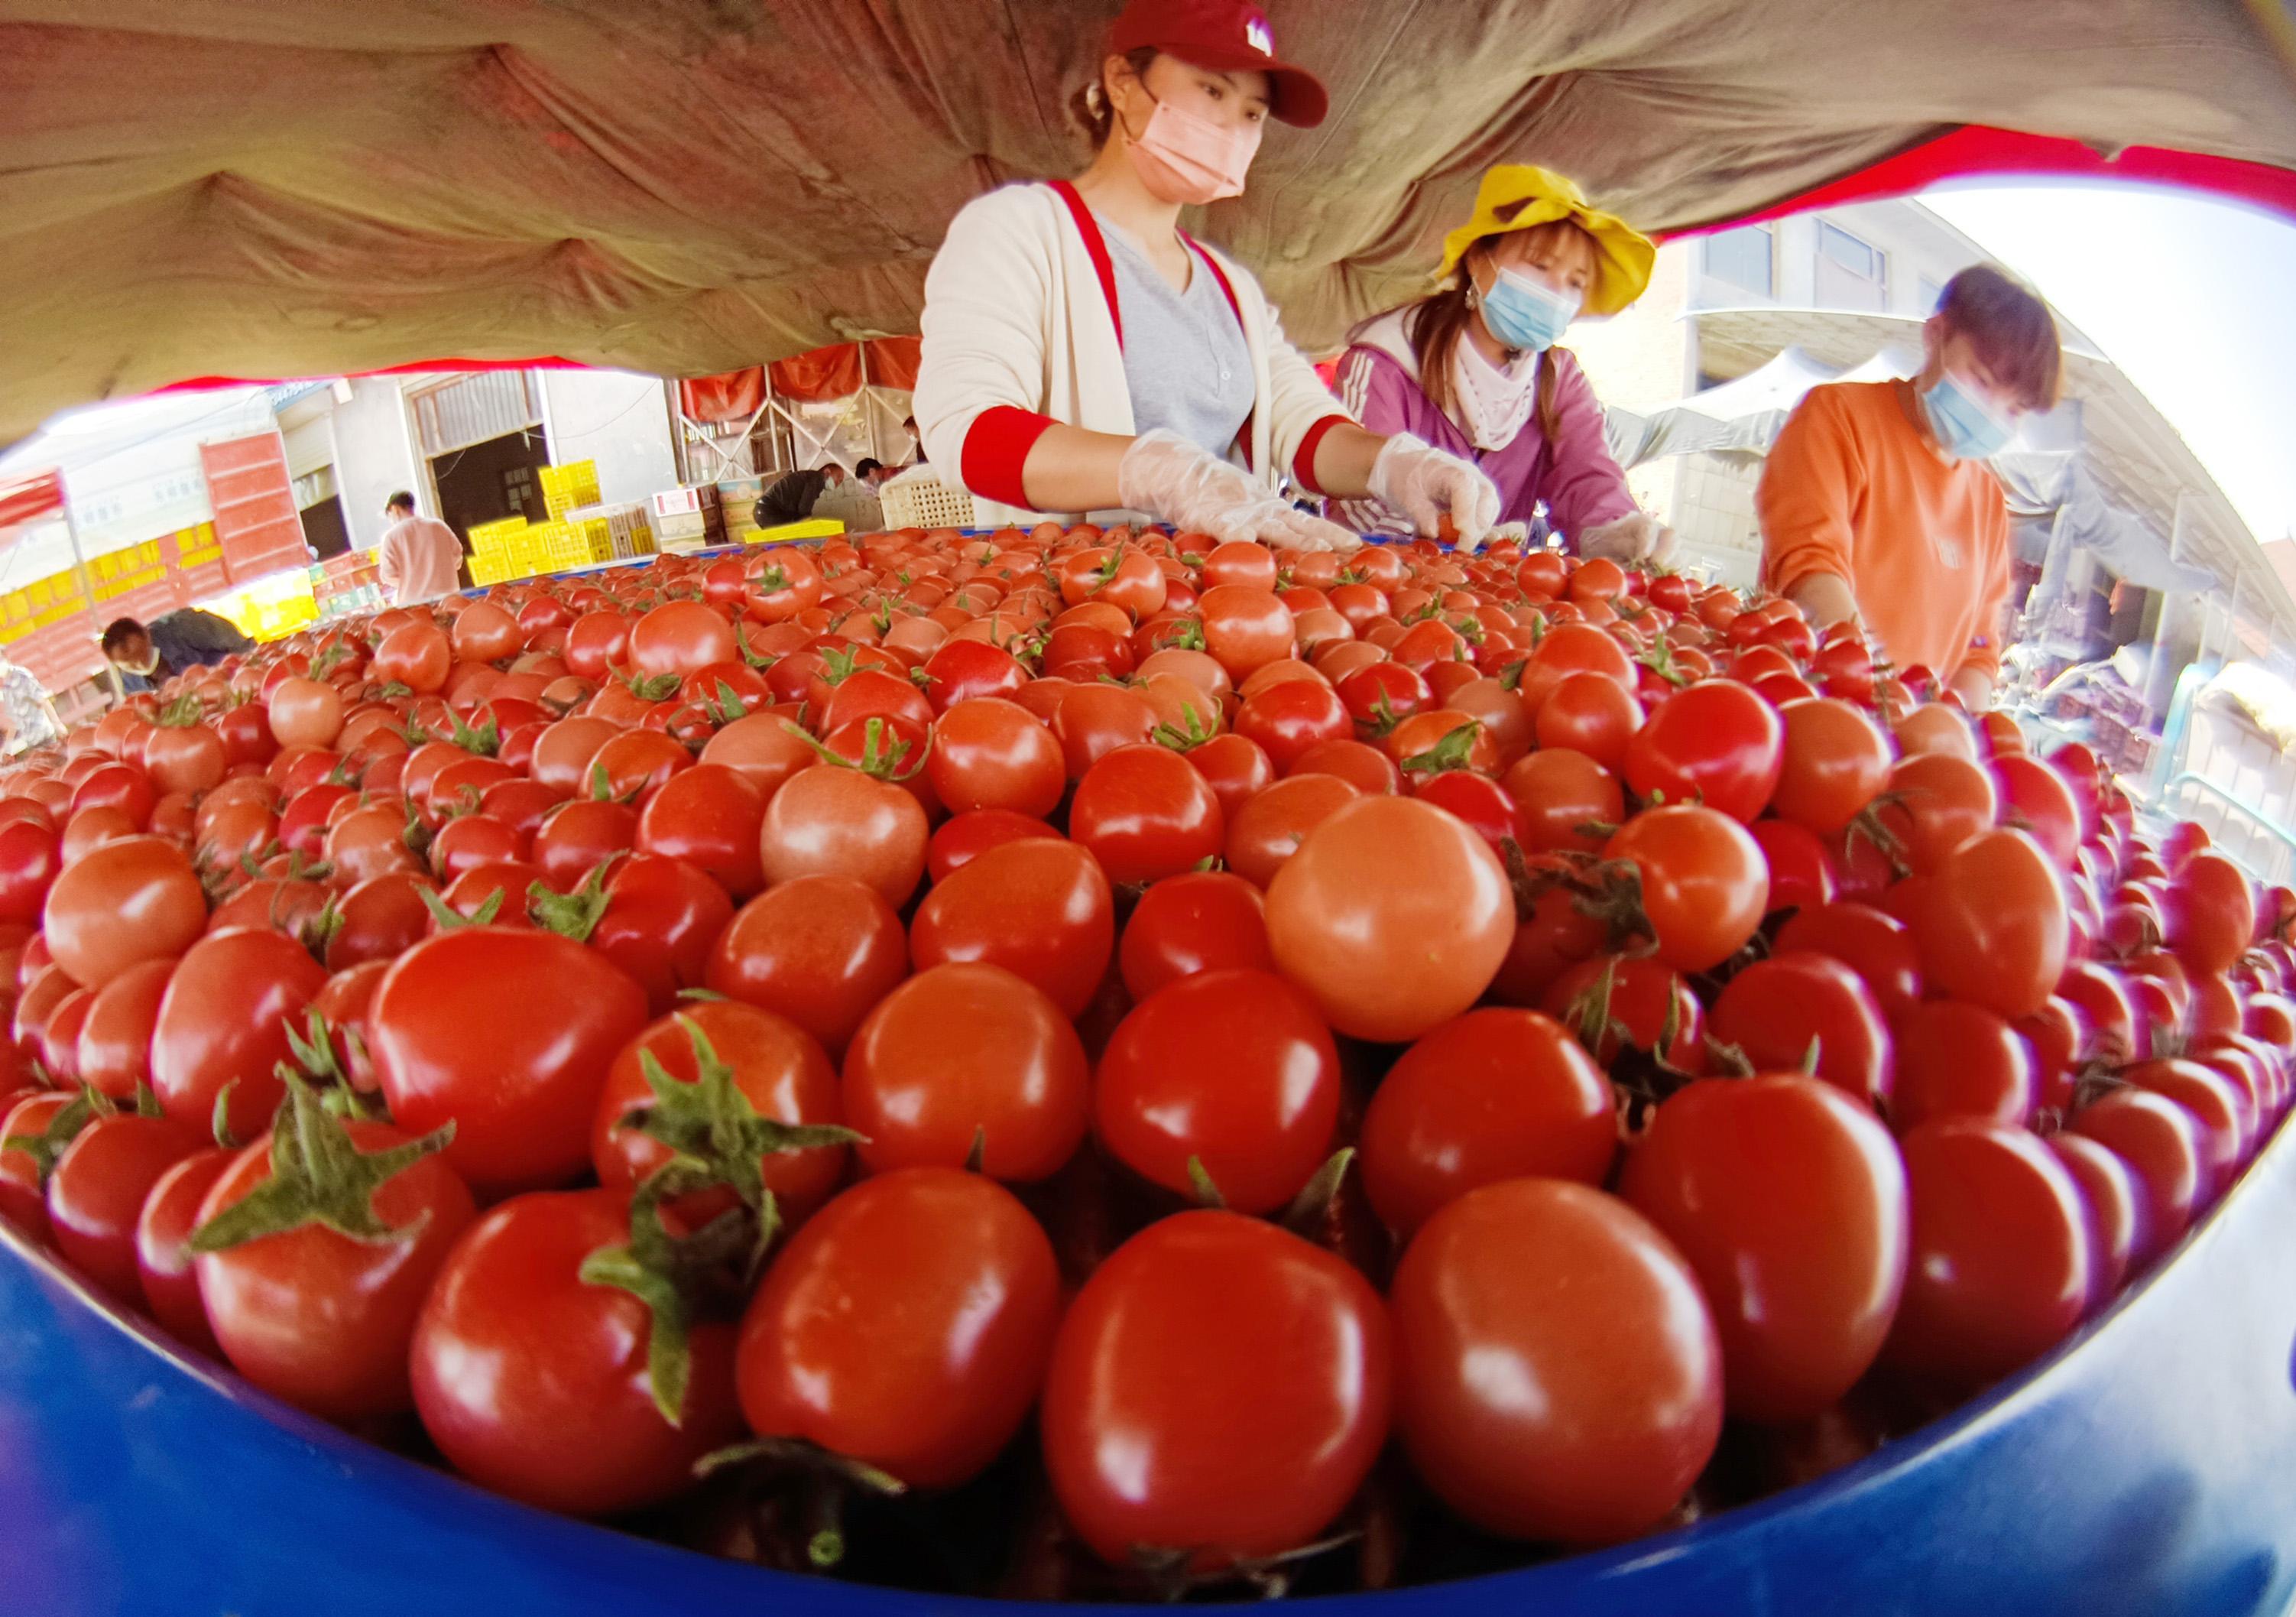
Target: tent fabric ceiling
{"x": 269, "y": 187}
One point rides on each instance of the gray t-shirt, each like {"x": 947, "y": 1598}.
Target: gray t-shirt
{"x": 1186, "y": 360}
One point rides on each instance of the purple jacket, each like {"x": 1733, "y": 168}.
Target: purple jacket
{"x": 1574, "y": 476}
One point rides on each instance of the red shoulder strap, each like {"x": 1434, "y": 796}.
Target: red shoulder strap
{"x": 1096, "y": 245}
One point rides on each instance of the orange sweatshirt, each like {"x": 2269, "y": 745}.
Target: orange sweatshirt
{"x": 1853, "y": 487}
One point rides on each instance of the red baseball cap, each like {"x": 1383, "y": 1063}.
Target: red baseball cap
{"x": 1225, "y": 37}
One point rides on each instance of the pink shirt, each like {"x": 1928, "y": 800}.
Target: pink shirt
{"x": 419, "y": 558}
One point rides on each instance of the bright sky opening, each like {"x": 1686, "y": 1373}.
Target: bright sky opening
{"x": 2194, "y": 297}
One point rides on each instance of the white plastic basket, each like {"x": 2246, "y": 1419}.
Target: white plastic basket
{"x": 918, "y": 499}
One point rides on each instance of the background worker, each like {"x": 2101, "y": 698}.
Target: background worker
{"x": 419, "y": 559}
{"x": 1876, "y": 503}
{"x": 144, "y": 657}
{"x": 792, "y": 497}
{"x": 1475, "y": 368}
{"x": 1082, "y": 353}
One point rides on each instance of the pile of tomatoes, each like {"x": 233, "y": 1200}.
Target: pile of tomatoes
{"x": 1082, "y": 1063}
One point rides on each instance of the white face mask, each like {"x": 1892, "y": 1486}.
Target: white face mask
{"x": 1492, "y": 405}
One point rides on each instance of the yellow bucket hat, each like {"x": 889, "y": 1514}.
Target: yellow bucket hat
{"x": 1517, "y": 196}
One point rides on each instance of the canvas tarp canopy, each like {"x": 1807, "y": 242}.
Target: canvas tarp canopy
{"x": 272, "y": 188}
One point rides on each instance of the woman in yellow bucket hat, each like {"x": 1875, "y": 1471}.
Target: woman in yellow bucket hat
{"x": 1474, "y": 368}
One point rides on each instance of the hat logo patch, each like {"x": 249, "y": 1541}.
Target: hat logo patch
{"x": 1256, "y": 36}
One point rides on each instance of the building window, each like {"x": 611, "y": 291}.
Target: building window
{"x": 1933, "y": 294}
{"x": 1741, "y": 258}
{"x": 1852, "y": 273}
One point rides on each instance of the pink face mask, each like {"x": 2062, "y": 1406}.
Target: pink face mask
{"x": 1187, "y": 160}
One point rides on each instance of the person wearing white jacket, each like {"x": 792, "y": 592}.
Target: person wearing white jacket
{"x": 1083, "y": 354}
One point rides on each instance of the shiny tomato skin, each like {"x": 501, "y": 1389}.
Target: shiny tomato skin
{"x": 970, "y": 1277}
{"x": 1202, "y": 921}
{"x": 662, "y": 924}
{"x": 709, "y": 816}
{"x": 1289, "y": 718}
{"x": 1801, "y": 866}
{"x": 1959, "y": 1060}
{"x": 1775, "y": 1010}
{"x": 1557, "y": 1374}
{"x": 1999, "y": 1270}
{"x": 992, "y": 753}
{"x": 1716, "y": 743}
{"x": 1787, "y": 1201}
{"x": 828, "y": 821}
{"x": 533, "y": 1382}
{"x": 1496, "y": 1094}
{"x": 1232, "y": 1069}
{"x": 1876, "y": 946}
{"x": 115, "y": 1037}
{"x": 1567, "y": 801}
{"x": 1039, "y": 908}
{"x": 2210, "y": 917}
{"x": 97, "y": 1189}
{"x": 508, "y": 1034}
{"x": 134, "y": 900}
{"x": 1146, "y": 814}
{"x": 1393, "y": 915}
{"x": 1234, "y": 768}
{"x": 1835, "y": 761}
{"x": 967, "y": 1051}
{"x": 224, "y": 1016}
{"x": 316, "y": 1318}
{"x": 1705, "y": 887}
{"x": 1235, "y": 1432}
{"x": 164, "y": 1265}
{"x": 1992, "y": 929}
{"x": 779, "y": 1069}
{"x": 820, "y": 951}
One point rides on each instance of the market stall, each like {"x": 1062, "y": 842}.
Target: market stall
{"x": 1081, "y": 1063}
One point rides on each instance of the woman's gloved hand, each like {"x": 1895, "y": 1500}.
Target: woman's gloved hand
{"x": 1424, "y": 483}
{"x": 1169, "y": 478}
{"x": 1629, "y": 540}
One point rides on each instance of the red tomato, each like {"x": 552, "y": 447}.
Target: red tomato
{"x": 115, "y": 1038}
{"x": 130, "y": 901}
{"x": 534, "y": 1381}
{"x": 820, "y": 951}
{"x": 1234, "y": 1433}
{"x": 1202, "y": 921}
{"x": 1957, "y": 1060}
{"x": 1557, "y": 1376}
{"x": 1938, "y": 801}
{"x": 1568, "y": 801}
{"x": 1040, "y": 908}
{"x": 679, "y": 637}
{"x": 1145, "y": 815}
{"x": 1245, "y": 627}
{"x": 2035, "y": 798}
{"x": 1618, "y": 1002}
{"x": 1715, "y": 743}
{"x": 2210, "y": 917}
{"x": 1236, "y": 769}
{"x": 1999, "y": 1270}
{"x": 966, "y": 1053}
{"x": 163, "y": 1262}
{"x": 1787, "y": 1201}
{"x": 829, "y": 821}
{"x": 29, "y": 863}
{"x": 224, "y": 1020}
{"x": 1879, "y": 948}
{"x": 1094, "y": 720}
{"x": 660, "y": 923}
{"x": 2112, "y": 1199}
{"x": 989, "y": 753}
{"x": 970, "y": 1276}
{"x": 709, "y": 816}
{"x": 97, "y": 1189}
{"x": 1288, "y": 718}
{"x": 773, "y": 1065}
{"x": 1230, "y": 1071}
{"x": 1393, "y": 915}
{"x": 508, "y": 1035}
{"x": 1593, "y": 714}
{"x": 320, "y": 1319}
{"x": 1992, "y": 929}
{"x": 1493, "y": 1095}
{"x": 1782, "y": 1011}
{"x": 1704, "y": 886}
{"x": 1835, "y": 762}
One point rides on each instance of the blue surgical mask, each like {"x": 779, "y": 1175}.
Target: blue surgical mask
{"x": 1525, "y": 313}
{"x": 1965, "y": 427}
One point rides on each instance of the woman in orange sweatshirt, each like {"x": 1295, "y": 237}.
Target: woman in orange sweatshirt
{"x": 1876, "y": 501}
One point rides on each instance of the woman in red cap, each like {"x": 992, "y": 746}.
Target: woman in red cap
{"x": 1082, "y": 353}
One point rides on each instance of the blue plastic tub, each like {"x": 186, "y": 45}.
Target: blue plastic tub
{"x": 2148, "y": 1468}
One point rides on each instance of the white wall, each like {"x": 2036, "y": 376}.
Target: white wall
{"x": 618, "y": 418}
{"x": 374, "y": 456}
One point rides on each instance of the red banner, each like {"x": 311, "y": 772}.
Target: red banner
{"x": 814, "y": 378}
{"x": 37, "y": 499}
{"x": 732, "y": 396}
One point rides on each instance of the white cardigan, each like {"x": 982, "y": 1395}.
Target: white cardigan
{"x": 1020, "y": 333}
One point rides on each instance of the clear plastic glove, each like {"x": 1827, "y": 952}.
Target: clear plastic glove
{"x": 1424, "y": 484}
{"x": 1629, "y": 540}
{"x": 1173, "y": 481}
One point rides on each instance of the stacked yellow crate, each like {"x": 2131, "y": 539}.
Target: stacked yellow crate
{"x": 567, "y": 488}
